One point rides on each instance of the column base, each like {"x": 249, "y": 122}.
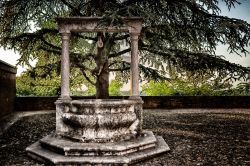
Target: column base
{"x": 135, "y": 98}
{"x": 65, "y": 98}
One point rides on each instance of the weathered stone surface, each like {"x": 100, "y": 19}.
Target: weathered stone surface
{"x": 69, "y": 148}
{"x": 37, "y": 152}
{"x": 97, "y": 120}
{"x": 138, "y": 111}
{"x": 91, "y": 24}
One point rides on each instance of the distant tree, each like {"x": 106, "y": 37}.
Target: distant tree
{"x": 27, "y": 86}
{"x": 90, "y": 91}
{"x": 182, "y": 33}
{"x": 115, "y": 88}
{"x": 192, "y": 84}
{"x": 161, "y": 88}
{"x": 242, "y": 89}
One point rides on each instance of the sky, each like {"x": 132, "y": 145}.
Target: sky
{"x": 240, "y": 12}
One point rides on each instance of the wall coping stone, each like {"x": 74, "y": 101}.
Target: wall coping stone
{"x": 7, "y": 67}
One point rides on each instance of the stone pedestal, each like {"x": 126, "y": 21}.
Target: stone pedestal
{"x": 98, "y": 132}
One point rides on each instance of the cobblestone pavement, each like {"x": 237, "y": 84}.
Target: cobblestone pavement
{"x": 195, "y": 136}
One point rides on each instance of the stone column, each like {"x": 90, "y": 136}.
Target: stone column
{"x": 134, "y": 68}
{"x": 134, "y": 72}
{"x": 65, "y": 67}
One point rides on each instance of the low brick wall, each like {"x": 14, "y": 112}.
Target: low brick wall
{"x": 150, "y": 102}
{"x": 7, "y": 88}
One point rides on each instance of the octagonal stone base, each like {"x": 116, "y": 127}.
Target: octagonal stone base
{"x": 61, "y": 151}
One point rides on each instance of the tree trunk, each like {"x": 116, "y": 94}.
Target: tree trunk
{"x": 102, "y": 71}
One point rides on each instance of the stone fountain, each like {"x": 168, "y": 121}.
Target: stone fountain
{"x": 98, "y": 131}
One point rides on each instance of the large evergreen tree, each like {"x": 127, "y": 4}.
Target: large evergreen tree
{"x": 180, "y": 33}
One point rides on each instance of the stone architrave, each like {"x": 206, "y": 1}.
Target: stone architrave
{"x": 98, "y": 131}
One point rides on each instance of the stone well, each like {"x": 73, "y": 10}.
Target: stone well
{"x": 98, "y": 131}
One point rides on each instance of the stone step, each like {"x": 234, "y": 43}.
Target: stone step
{"x": 70, "y": 148}
{"x": 36, "y": 151}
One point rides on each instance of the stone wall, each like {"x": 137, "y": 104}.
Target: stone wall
{"x": 150, "y": 102}
{"x": 196, "y": 102}
{"x": 7, "y": 88}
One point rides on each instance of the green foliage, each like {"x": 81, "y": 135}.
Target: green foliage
{"x": 27, "y": 86}
{"x": 114, "y": 88}
{"x": 157, "y": 89}
{"x": 242, "y": 89}
{"x": 91, "y": 91}
{"x": 185, "y": 36}
{"x": 195, "y": 84}
{"x": 184, "y": 89}
{"x": 177, "y": 89}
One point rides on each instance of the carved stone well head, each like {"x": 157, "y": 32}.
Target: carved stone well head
{"x": 97, "y": 120}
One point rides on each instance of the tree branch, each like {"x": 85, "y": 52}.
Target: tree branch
{"x": 74, "y": 9}
{"x": 113, "y": 63}
{"x": 152, "y": 73}
{"x": 49, "y": 50}
{"x": 120, "y": 69}
{"x": 202, "y": 61}
{"x": 121, "y": 37}
{"x": 50, "y": 45}
{"x": 119, "y": 53}
{"x": 86, "y": 77}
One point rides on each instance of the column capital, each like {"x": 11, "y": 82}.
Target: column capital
{"x": 65, "y": 35}
{"x": 134, "y": 35}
